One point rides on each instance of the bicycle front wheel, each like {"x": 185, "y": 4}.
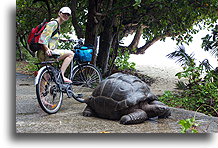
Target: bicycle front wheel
{"x": 85, "y": 78}
{"x": 48, "y": 92}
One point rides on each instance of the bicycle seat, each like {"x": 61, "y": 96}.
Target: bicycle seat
{"x": 54, "y": 55}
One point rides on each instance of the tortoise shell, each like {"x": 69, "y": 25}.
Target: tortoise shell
{"x": 120, "y": 87}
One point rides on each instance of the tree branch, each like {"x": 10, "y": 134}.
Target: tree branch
{"x": 142, "y": 49}
{"x": 136, "y": 39}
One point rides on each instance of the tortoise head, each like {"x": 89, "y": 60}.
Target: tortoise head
{"x": 88, "y": 100}
{"x": 151, "y": 97}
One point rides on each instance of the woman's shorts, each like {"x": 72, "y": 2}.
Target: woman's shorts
{"x": 43, "y": 57}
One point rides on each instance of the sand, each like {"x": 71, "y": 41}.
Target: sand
{"x": 165, "y": 78}
{"x": 162, "y": 70}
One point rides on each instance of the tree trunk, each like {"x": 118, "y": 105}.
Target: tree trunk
{"x": 49, "y": 9}
{"x": 106, "y": 38}
{"x": 113, "y": 55}
{"x": 47, "y": 5}
{"x": 92, "y": 26}
{"x": 23, "y": 41}
{"x": 18, "y": 49}
{"x": 77, "y": 27}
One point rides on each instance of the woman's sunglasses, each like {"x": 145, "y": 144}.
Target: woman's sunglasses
{"x": 67, "y": 14}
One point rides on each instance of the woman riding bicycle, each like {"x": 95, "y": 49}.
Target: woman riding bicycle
{"x": 49, "y": 42}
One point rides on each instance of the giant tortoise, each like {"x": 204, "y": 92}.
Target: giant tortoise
{"x": 125, "y": 98}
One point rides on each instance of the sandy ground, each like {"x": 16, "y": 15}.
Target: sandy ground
{"x": 165, "y": 78}
{"x": 163, "y": 73}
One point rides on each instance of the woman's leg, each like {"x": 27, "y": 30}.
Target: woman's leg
{"x": 64, "y": 66}
{"x": 67, "y": 56}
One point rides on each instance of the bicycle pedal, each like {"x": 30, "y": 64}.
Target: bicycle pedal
{"x": 68, "y": 83}
{"x": 79, "y": 95}
{"x": 69, "y": 93}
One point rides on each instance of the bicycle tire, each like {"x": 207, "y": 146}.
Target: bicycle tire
{"x": 85, "y": 78}
{"x": 48, "y": 93}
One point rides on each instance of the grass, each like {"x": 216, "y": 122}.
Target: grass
{"x": 23, "y": 67}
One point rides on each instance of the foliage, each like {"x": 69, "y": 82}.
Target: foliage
{"x": 30, "y": 13}
{"x": 210, "y": 42}
{"x": 28, "y": 67}
{"x": 137, "y": 4}
{"x": 189, "y": 125}
{"x": 196, "y": 94}
{"x": 162, "y": 17}
{"x": 176, "y": 18}
{"x": 159, "y": 19}
{"x": 122, "y": 61}
{"x": 182, "y": 57}
{"x": 26, "y": 9}
{"x": 199, "y": 86}
{"x": 64, "y": 44}
{"x": 32, "y": 67}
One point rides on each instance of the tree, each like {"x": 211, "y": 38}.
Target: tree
{"x": 158, "y": 19}
{"x": 111, "y": 20}
{"x": 77, "y": 8}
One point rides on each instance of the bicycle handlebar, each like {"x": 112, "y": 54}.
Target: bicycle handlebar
{"x": 80, "y": 41}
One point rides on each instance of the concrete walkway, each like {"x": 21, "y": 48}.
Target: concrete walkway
{"x": 31, "y": 119}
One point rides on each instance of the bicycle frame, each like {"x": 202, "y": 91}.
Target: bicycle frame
{"x": 44, "y": 67}
{"x": 64, "y": 87}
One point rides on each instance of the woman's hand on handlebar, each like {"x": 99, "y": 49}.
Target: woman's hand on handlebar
{"x": 67, "y": 40}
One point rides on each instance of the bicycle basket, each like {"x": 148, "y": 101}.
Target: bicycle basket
{"x": 84, "y": 54}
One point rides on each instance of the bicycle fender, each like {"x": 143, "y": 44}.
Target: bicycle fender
{"x": 39, "y": 73}
{"x": 75, "y": 67}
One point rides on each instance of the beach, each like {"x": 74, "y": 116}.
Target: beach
{"x": 165, "y": 78}
{"x": 155, "y": 63}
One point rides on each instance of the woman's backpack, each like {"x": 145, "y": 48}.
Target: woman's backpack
{"x": 34, "y": 36}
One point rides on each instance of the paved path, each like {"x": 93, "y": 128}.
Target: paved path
{"x": 31, "y": 119}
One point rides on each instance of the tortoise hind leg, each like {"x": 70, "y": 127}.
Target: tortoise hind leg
{"x": 137, "y": 116}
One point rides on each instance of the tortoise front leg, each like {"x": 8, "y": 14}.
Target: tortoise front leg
{"x": 88, "y": 112}
{"x": 161, "y": 111}
{"x": 137, "y": 116}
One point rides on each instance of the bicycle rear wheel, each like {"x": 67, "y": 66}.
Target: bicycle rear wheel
{"x": 48, "y": 92}
{"x": 85, "y": 78}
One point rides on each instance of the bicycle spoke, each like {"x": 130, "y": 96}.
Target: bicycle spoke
{"x": 86, "y": 76}
{"x": 48, "y": 93}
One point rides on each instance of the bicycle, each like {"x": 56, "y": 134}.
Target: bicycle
{"x": 50, "y": 85}
{"x": 83, "y": 74}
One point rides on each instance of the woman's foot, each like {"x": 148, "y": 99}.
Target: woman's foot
{"x": 67, "y": 80}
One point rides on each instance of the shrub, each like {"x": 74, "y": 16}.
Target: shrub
{"x": 122, "y": 61}
{"x": 199, "y": 90}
